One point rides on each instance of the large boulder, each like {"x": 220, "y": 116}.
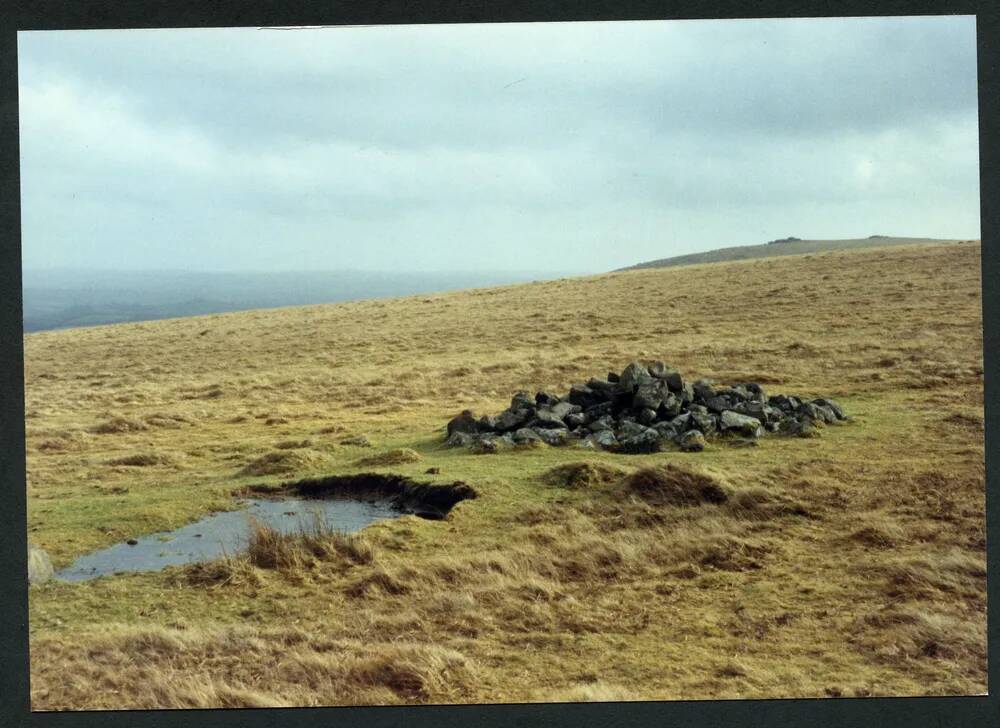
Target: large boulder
{"x": 39, "y": 566}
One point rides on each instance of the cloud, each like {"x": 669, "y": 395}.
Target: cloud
{"x": 499, "y": 145}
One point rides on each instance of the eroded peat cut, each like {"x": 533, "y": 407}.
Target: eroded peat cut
{"x": 644, "y": 409}
{"x": 427, "y": 500}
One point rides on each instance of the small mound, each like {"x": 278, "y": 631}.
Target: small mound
{"x": 285, "y": 461}
{"x": 293, "y": 444}
{"x": 141, "y": 460}
{"x": 392, "y": 457}
{"x": 584, "y": 475}
{"x": 673, "y": 485}
{"x": 119, "y": 424}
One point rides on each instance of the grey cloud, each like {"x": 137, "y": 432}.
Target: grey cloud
{"x": 548, "y": 133}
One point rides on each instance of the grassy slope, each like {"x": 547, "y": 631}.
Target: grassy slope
{"x": 792, "y": 247}
{"x": 532, "y": 591}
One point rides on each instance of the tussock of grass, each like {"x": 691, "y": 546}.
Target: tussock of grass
{"x": 285, "y": 461}
{"x": 264, "y": 668}
{"x": 392, "y": 457}
{"x": 761, "y": 504}
{"x": 142, "y": 459}
{"x": 675, "y": 485}
{"x": 119, "y": 425}
{"x": 293, "y": 444}
{"x": 271, "y": 549}
{"x": 584, "y": 475}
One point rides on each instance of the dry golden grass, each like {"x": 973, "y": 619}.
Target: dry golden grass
{"x": 849, "y": 564}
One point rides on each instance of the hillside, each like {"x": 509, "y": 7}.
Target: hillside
{"x": 787, "y": 246}
{"x": 851, "y": 564}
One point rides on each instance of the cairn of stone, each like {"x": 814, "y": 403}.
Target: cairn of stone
{"x": 644, "y": 409}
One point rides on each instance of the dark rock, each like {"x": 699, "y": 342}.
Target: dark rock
{"x": 672, "y": 378}
{"x": 601, "y": 424}
{"x": 756, "y": 392}
{"x": 634, "y": 375}
{"x": 544, "y": 398}
{"x": 703, "y": 390}
{"x": 525, "y": 435}
{"x": 704, "y": 422}
{"x": 512, "y": 419}
{"x": 599, "y": 410}
{"x": 667, "y": 430}
{"x": 671, "y": 405}
{"x": 465, "y": 422}
{"x": 553, "y": 436}
{"x": 546, "y": 418}
{"x": 799, "y": 427}
{"x": 640, "y": 444}
{"x": 132, "y": 542}
{"x": 604, "y": 439}
{"x": 433, "y": 471}
{"x": 753, "y": 408}
{"x": 581, "y": 394}
{"x": 602, "y": 387}
{"x": 692, "y": 441}
{"x": 838, "y": 411}
{"x": 718, "y": 403}
{"x": 731, "y": 421}
{"x": 488, "y": 423}
{"x": 575, "y": 419}
{"x": 647, "y": 416}
{"x": 648, "y": 396}
{"x": 459, "y": 439}
{"x": 613, "y": 377}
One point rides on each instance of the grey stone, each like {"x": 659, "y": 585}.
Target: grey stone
{"x": 838, "y": 411}
{"x": 39, "y": 566}
{"x": 648, "y": 395}
{"x": 601, "y": 424}
{"x": 731, "y": 421}
{"x": 525, "y": 435}
{"x": 512, "y": 419}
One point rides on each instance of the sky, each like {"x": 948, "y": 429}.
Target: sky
{"x": 560, "y": 147}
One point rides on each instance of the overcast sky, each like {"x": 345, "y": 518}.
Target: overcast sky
{"x": 563, "y": 147}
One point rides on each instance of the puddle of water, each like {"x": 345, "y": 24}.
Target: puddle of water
{"x": 225, "y": 533}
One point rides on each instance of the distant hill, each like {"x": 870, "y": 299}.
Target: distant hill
{"x": 785, "y": 246}
{"x": 68, "y": 298}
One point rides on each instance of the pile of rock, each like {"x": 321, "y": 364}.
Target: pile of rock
{"x": 643, "y": 409}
